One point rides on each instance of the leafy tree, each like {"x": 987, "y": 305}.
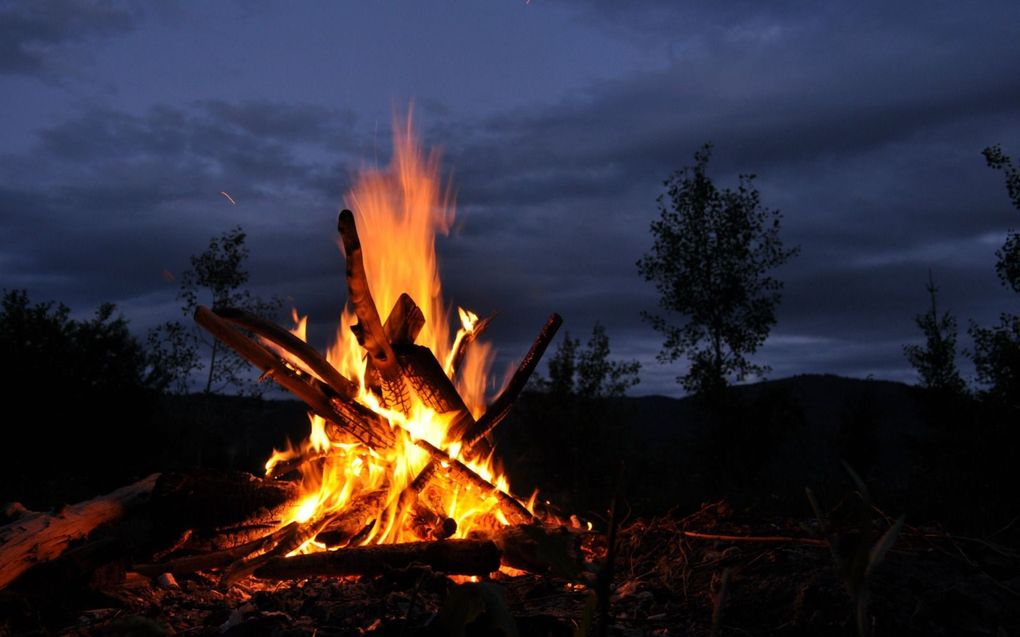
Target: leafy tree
{"x": 216, "y": 278}
{"x": 997, "y": 349}
{"x": 1008, "y": 266}
{"x": 589, "y": 372}
{"x": 935, "y": 361}
{"x": 711, "y": 260}
{"x": 85, "y": 387}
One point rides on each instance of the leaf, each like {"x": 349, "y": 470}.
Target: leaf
{"x": 587, "y": 623}
{"x": 476, "y": 602}
{"x": 878, "y": 552}
{"x": 862, "y": 488}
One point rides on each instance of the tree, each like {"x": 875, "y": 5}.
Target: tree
{"x": 216, "y": 278}
{"x": 1008, "y": 265}
{"x": 997, "y": 349}
{"x": 935, "y": 361}
{"x": 86, "y": 387}
{"x": 710, "y": 261}
{"x": 589, "y": 372}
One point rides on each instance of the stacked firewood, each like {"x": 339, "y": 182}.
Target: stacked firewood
{"x": 398, "y": 372}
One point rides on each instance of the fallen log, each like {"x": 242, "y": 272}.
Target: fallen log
{"x": 40, "y": 537}
{"x": 537, "y": 548}
{"x": 216, "y": 559}
{"x": 453, "y": 557}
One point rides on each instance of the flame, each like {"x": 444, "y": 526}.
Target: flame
{"x": 399, "y": 211}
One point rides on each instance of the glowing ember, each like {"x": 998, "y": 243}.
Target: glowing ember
{"x": 346, "y": 485}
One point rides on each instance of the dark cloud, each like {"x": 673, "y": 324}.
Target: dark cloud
{"x": 34, "y": 34}
{"x": 865, "y": 123}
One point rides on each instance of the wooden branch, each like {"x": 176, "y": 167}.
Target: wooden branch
{"x": 500, "y": 408}
{"x": 514, "y": 511}
{"x": 405, "y": 321}
{"x": 316, "y": 394}
{"x": 537, "y": 548}
{"x": 359, "y": 513}
{"x": 369, "y": 330}
{"x": 454, "y": 557}
{"x": 759, "y": 539}
{"x": 216, "y": 559}
{"x": 40, "y": 537}
{"x": 464, "y": 344}
{"x": 310, "y": 359}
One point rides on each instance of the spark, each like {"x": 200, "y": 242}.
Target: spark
{"x": 229, "y": 198}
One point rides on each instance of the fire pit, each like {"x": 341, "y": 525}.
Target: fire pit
{"x": 398, "y": 468}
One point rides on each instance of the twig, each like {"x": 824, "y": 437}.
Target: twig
{"x": 761, "y": 539}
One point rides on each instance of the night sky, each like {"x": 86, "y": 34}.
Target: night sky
{"x": 120, "y": 124}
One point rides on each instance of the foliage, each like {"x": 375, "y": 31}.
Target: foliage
{"x": 581, "y": 399}
{"x": 173, "y": 350}
{"x": 216, "y": 278}
{"x": 857, "y": 559}
{"x": 710, "y": 261}
{"x": 997, "y": 360}
{"x": 588, "y": 372}
{"x": 1008, "y": 266}
{"x": 42, "y": 341}
{"x": 997, "y": 349}
{"x": 935, "y": 361}
{"x": 85, "y": 383}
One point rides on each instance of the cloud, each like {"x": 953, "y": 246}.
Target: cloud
{"x": 864, "y": 124}
{"x": 34, "y": 35}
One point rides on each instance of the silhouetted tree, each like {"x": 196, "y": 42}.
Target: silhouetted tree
{"x": 935, "y": 361}
{"x": 580, "y": 399}
{"x": 589, "y": 372}
{"x": 997, "y": 349}
{"x": 711, "y": 260}
{"x": 83, "y": 389}
{"x": 217, "y": 278}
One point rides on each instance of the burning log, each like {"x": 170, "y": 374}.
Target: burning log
{"x": 454, "y": 557}
{"x": 40, "y": 537}
{"x": 216, "y": 559}
{"x": 369, "y": 330}
{"x": 358, "y": 514}
{"x": 312, "y": 362}
{"x": 537, "y": 548}
{"x": 500, "y": 408}
{"x": 514, "y": 511}
{"x": 461, "y": 347}
{"x": 404, "y": 322}
{"x": 357, "y": 421}
{"x": 471, "y": 433}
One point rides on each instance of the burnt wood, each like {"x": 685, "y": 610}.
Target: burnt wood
{"x": 453, "y": 557}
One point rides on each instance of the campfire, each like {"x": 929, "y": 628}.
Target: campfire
{"x": 398, "y": 450}
{"x": 398, "y": 468}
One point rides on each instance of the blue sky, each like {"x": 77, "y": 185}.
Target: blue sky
{"x": 121, "y": 123}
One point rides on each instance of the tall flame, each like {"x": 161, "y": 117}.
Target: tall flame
{"x": 399, "y": 210}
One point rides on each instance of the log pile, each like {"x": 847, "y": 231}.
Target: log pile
{"x": 255, "y": 541}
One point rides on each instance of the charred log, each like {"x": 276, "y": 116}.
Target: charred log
{"x": 454, "y": 557}
{"x": 500, "y": 408}
{"x": 309, "y": 359}
{"x": 369, "y": 330}
{"x": 37, "y": 537}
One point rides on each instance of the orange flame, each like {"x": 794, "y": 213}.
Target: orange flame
{"x": 399, "y": 210}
